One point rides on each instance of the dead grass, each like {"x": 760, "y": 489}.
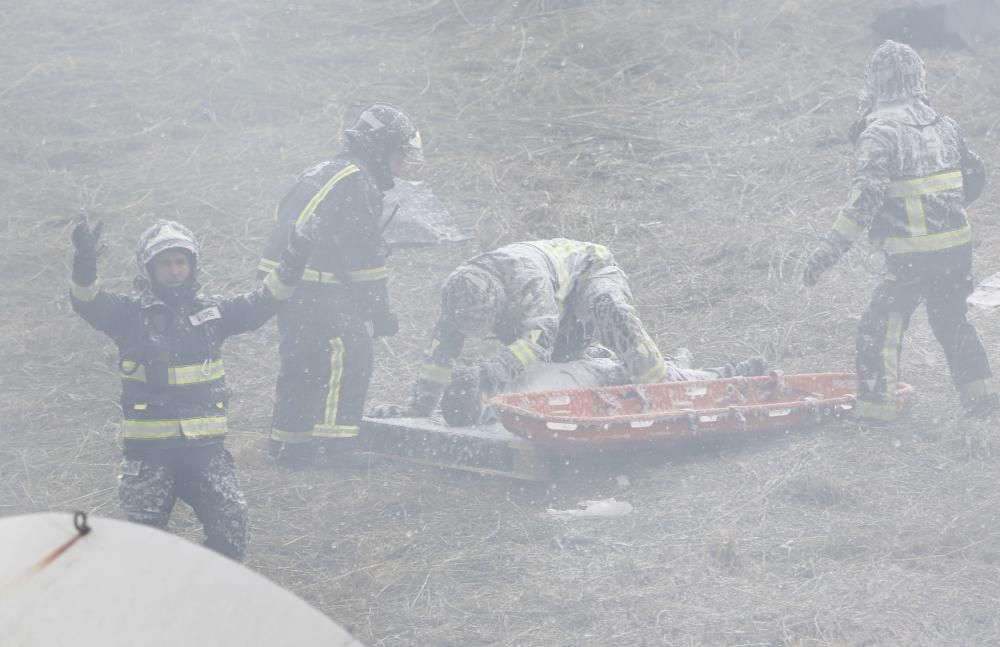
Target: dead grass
{"x": 703, "y": 142}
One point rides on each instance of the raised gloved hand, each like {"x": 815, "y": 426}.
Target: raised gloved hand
{"x": 87, "y": 243}
{"x": 462, "y": 401}
{"x": 86, "y": 238}
{"x": 820, "y": 260}
{"x": 385, "y": 324}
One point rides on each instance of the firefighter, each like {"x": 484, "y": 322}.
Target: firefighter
{"x": 174, "y": 395}
{"x": 326, "y": 346}
{"x": 545, "y": 301}
{"x": 914, "y": 175}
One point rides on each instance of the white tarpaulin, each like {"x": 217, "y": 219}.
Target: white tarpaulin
{"x": 422, "y": 219}
{"x": 123, "y": 584}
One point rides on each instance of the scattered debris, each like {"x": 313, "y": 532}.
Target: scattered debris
{"x": 603, "y": 508}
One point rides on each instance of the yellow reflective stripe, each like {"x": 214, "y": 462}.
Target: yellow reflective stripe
{"x": 435, "y": 373}
{"x": 929, "y": 243}
{"x": 848, "y": 227}
{"x": 372, "y": 274}
{"x": 875, "y": 410}
{"x": 523, "y": 352}
{"x": 178, "y": 375}
{"x": 204, "y": 427}
{"x": 267, "y": 265}
{"x": 278, "y": 290}
{"x": 950, "y": 181}
{"x": 890, "y": 351}
{"x": 336, "y": 377}
{"x": 85, "y": 293}
{"x": 978, "y": 389}
{"x": 915, "y": 215}
{"x": 315, "y": 276}
{"x": 335, "y": 431}
{"x": 655, "y": 374}
{"x": 151, "y": 429}
{"x": 310, "y": 209}
{"x": 289, "y": 437}
{"x": 190, "y": 427}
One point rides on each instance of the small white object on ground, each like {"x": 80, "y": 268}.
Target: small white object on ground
{"x": 605, "y": 508}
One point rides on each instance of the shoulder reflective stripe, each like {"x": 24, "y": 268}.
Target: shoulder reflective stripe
{"x": 335, "y": 431}
{"x": 929, "y": 243}
{"x": 279, "y": 290}
{"x": 848, "y": 227}
{"x": 179, "y": 375}
{"x": 310, "y": 209}
{"x": 203, "y": 427}
{"x": 85, "y": 293}
{"x": 875, "y": 410}
{"x": 372, "y": 274}
{"x": 315, "y": 276}
{"x": 267, "y": 265}
{"x": 292, "y": 438}
{"x": 950, "y": 181}
{"x": 523, "y": 352}
{"x": 435, "y": 373}
{"x": 559, "y": 255}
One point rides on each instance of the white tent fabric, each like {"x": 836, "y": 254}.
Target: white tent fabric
{"x": 125, "y": 584}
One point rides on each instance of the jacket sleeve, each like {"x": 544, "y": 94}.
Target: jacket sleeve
{"x": 436, "y": 369}
{"x": 105, "y": 311}
{"x": 868, "y": 187}
{"x": 973, "y": 174}
{"x": 251, "y": 310}
{"x": 538, "y": 326}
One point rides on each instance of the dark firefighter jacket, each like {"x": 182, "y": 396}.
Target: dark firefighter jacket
{"x": 350, "y": 253}
{"x": 170, "y": 357}
{"x": 914, "y": 175}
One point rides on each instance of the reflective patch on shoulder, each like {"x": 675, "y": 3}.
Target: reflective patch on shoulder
{"x": 208, "y": 314}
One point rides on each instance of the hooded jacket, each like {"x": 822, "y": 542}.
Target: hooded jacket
{"x": 914, "y": 171}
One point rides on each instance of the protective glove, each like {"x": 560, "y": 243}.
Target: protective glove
{"x": 462, "y": 401}
{"x": 87, "y": 243}
{"x": 385, "y": 324}
{"x": 820, "y": 260}
{"x": 86, "y": 238}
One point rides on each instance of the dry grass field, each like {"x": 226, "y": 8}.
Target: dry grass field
{"x": 705, "y": 143}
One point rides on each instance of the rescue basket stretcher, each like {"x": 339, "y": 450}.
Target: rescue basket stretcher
{"x": 623, "y": 416}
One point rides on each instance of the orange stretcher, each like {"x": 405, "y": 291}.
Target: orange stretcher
{"x": 623, "y": 416}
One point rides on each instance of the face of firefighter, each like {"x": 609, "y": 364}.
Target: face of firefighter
{"x": 397, "y": 162}
{"x": 171, "y": 268}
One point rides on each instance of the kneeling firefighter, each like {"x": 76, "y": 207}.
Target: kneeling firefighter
{"x": 546, "y": 301}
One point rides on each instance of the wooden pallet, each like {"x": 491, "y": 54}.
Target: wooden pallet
{"x": 489, "y": 449}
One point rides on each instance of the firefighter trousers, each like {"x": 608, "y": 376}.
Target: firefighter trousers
{"x": 327, "y": 357}
{"x": 943, "y": 287}
{"x": 204, "y": 477}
